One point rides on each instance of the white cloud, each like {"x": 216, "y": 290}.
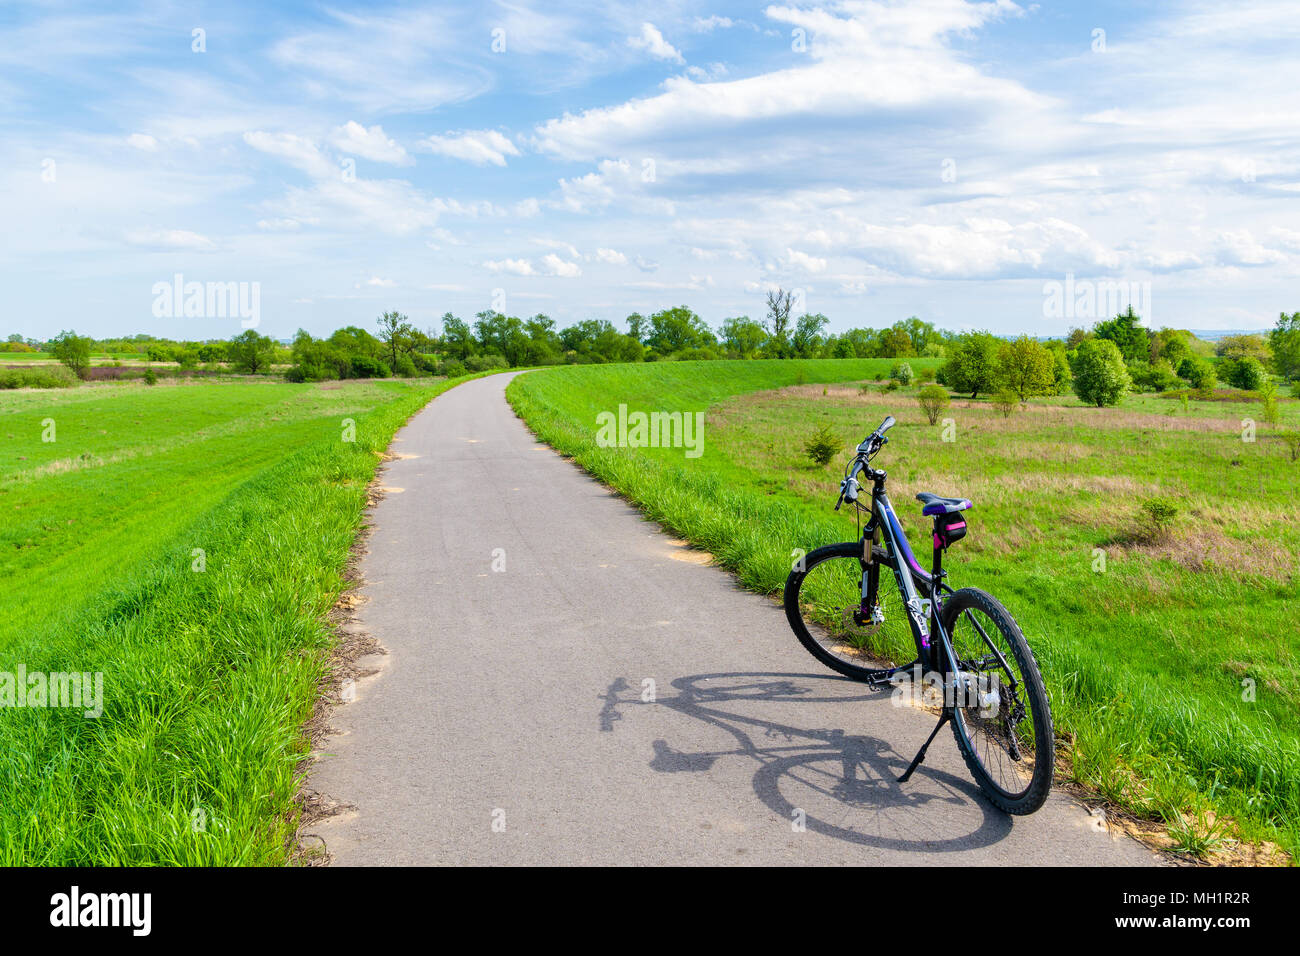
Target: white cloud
{"x": 475, "y": 146}
{"x": 708, "y": 24}
{"x": 653, "y": 42}
{"x": 143, "y": 141}
{"x": 877, "y": 60}
{"x": 555, "y": 266}
{"x": 169, "y": 239}
{"x": 385, "y": 61}
{"x": 519, "y": 267}
{"x": 549, "y": 243}
{"x": 803, "y": 262}
{"x": 1240, "y": 248}
{"x": 611, "y": 256}
{"x": 370, "y": 144}
{"x": 549, "y": 265}
{"x": 383, "y": 283}
{"x": 296, "y": 150}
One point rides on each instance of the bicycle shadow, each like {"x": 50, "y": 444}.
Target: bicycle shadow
{"x": 841, "y": 785}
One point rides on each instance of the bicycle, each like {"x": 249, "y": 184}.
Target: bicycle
{"x": 991, "y": 690}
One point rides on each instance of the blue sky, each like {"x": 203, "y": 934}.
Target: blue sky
{"x": 587, "y": 160}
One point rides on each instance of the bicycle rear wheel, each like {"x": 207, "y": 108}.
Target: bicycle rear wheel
{"x": 1002, "y": 718}
{"x": 826, "y": 609}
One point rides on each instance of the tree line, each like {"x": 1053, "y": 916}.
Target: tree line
{"x": 1100, "y": 364}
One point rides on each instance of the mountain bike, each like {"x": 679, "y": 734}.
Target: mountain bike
{"x": 972, "y": 662}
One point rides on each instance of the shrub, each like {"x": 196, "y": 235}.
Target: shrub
{"x": 53, "y": 377}
{"x": 1153, "y": 377}
{"x": 451, "y": 368}
{"x": 925, "y": 375}
{"x": 363, "y": 366}
{"x": 1100, "y": 377}
{"x": 1198, "y": 372}
{"x": 405, "y": 367}
{"x": 822, "y": 446}
{"x": 295, "y": 374}
{"x": 1158, "y": 514}
{"x": 1005, "y": 401}
{"x": 1246, "y": 373}
{"x": 1292, "y": 442}
{"x": 484, "y": 363}
{"x": 212, "y": 352}
{"x": 933, "y": 400}
{"x": 1268, "y": 398}
{"x": 902, "y": 374}
{"x": 150, "y": 377}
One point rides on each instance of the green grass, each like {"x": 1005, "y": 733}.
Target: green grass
{"x": 1145, "y": 661}
{"x": 208, "y": 675}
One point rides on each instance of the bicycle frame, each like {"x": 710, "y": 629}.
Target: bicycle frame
{"x": 907, "y": 572}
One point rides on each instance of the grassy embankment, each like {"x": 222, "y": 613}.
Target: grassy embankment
{"x": 187, "y": 542}
{"x": 1151, "y": 662}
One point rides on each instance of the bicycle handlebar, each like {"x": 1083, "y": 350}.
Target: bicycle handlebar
{"x": 877, "y": 437}
{"x": 849, "y": 486}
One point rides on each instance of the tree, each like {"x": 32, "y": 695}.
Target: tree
{"x": 933, "y": 400}
{"x": 1245, "y": 373}
{"x": 1285, "y": 342}
{"x": 1126, "y": 331}
{"x": 925, "y": 338}
{"x": 901, "y": 373}
{"x": 673, "y": 330}
{"x": 353, "y": 340}
{"x": 855, "y": 343}
{"x": 1076, "y": 338}
{"x": 1243, "y": 346}
{"x": 250, "y": 352}
{"x": 457, "y": 339}
{"x": 502, "y": 335}
{"x": 1172, "y": 345}
{"x": 396, "y": 333}
{"x": 895, "y": 342}
{"x": 315, "y": 359}
{"x": 637, "y": 326}
{"x": 1198, "y": 372}
{"x": 779, "y": 304}
{"x": 973, "y": 366}
{"x": 743, "y": 336}
{"x": 1100, "y": 377}
{"x": 808, "y": 334}
{"x": 1061, "y": 374}
{"x": 543, "y": 342}
{"x": 73, "y": 350}
{"x": 1026, "y": 368}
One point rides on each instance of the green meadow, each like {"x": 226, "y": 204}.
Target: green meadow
{"x": 1172, "y": 655}
{"x": 187, "y": 542}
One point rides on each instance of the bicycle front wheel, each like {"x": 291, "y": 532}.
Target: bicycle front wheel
{"x": 849, "y": 632}
{"x": 1002, "y": 719}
